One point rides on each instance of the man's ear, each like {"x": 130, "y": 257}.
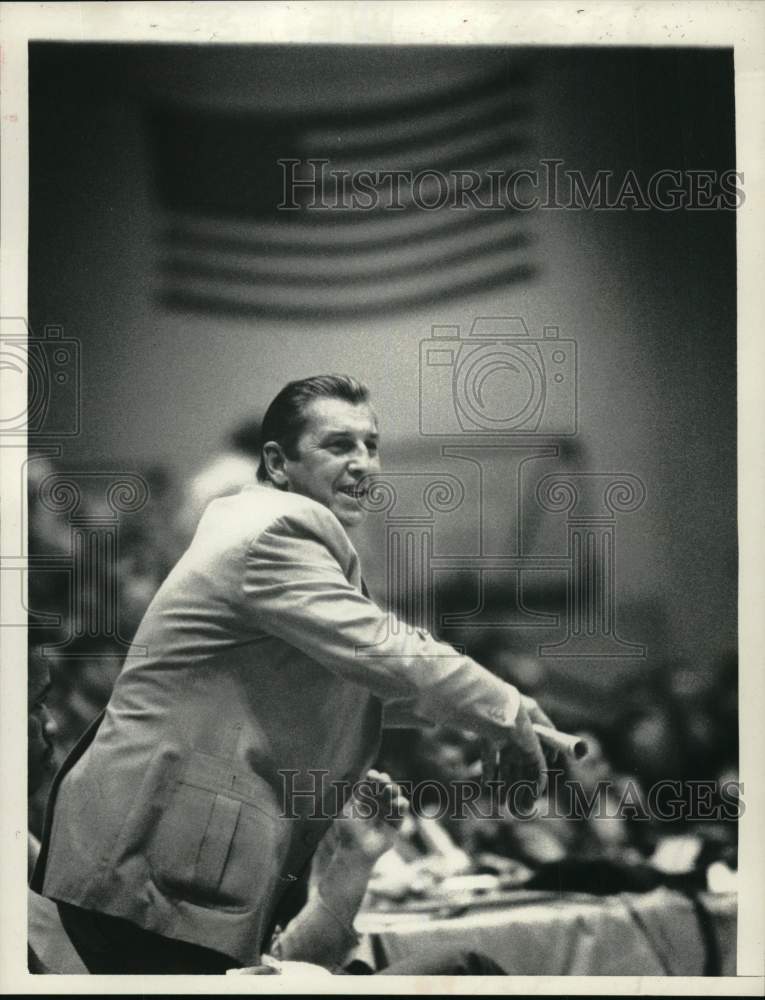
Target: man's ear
{"x": 274, "y": 458}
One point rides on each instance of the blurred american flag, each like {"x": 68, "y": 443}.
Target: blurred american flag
{"x": 226, "y": 245}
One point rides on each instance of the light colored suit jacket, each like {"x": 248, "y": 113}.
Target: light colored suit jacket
{"x": 265, "y": 672}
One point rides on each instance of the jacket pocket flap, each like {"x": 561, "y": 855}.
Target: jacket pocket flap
{"x": 215, "y": 774}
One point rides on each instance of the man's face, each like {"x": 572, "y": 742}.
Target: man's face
{"x": 40, "y": 725}
{"x": 338, "y": 447}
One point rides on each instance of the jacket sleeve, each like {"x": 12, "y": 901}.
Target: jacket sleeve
{"x": 405, "y": 713}
{"x": 296, "y": 590}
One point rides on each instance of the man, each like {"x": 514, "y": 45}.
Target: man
{"x": 177, "y": 830}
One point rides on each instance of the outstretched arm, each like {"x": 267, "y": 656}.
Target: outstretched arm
{"x": 296, "y": 589}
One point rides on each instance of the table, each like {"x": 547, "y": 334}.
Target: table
{"x": 658, "y": 933}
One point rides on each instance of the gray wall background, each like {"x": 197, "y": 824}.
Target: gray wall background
{"x": 648, "y": 296}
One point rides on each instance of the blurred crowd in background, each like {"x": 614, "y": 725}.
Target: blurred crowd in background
{"x": 677, "y": 723}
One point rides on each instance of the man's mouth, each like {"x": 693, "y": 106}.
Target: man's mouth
{"x": 356, "y": 492}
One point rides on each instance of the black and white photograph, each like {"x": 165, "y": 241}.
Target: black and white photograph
{"x": 379, "y": 542}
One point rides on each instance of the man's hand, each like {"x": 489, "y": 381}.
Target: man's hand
{"x": 520, "y": 762}
{"x": 368, "y": 825}
{"x": 538, "y": 717}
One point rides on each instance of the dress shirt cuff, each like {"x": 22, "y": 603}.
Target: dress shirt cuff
{"x": 350, "y": 935}
{"x": 317, "y": 934}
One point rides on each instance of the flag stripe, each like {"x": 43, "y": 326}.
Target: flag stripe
{"x": 398, "y": 135}
{"x": 367, "y": 268}
{"x": 216, "y": 300}
{"x": 299, "y": 302}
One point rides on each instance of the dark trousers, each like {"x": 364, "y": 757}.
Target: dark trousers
{"x": 113, "y": 946}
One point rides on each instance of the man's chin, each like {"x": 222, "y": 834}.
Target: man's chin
{"x": 350, "y": 518}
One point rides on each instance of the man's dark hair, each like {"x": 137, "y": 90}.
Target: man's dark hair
{"x": 285, "y": 419}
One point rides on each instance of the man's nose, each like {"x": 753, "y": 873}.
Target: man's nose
{"x": 362, "y": 462}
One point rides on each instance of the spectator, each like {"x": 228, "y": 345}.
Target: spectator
{"x": 48, "y": 949}
{"x": 226, "y": 473}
